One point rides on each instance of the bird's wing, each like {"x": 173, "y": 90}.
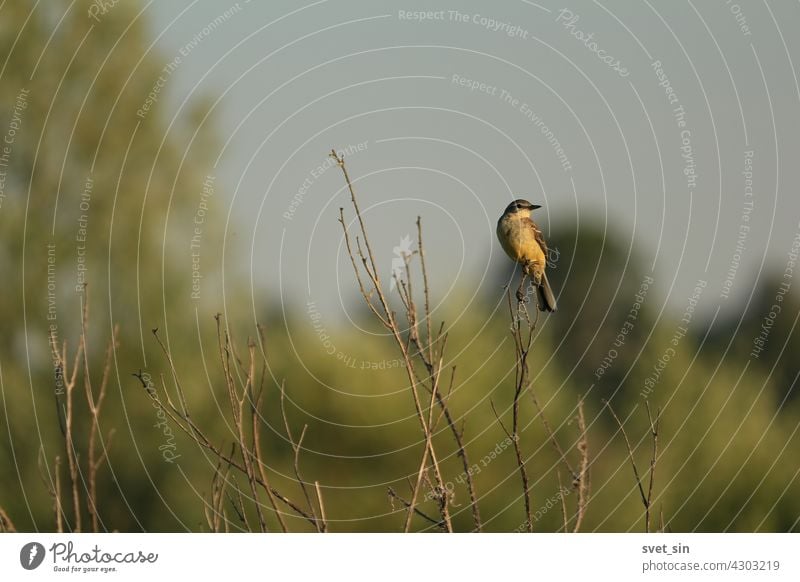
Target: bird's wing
{"x": 537, "y": 235}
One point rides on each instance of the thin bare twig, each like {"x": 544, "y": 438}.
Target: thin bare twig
{"x": 183, "y": 421}
{"x": 215, "y": 514}
{"x": 59, "y": 509}
{"x": 552, "y": 435}
{"x": 645, "y": 497}
{"x": 324, "y": 519}
{"x": 441, "y": 339}
{"x": 582, "y": 482}
{"x": 427, "y": 351}
{"x": 296, "y": 448}
{"x": 69, "y": 386}
{"x": 70, "y": 382}
{"x": 393, "y": 495}
{"x": 95, "y": 408}
{"x": 563, "y": 503}
{"x": 522, "y": 348}
{"x": 53, "y": 485}
{"x": 653, "y": 458}
{"x": 237, "y": 400}
{"x": 500, "y": 421}
{"x": 256, "y": 421}
{"x": 239, "y": 509}
{"x": 6, "y": 525}
{"x": 580, "y": 478}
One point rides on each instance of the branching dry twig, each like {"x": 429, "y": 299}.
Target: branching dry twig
{"x": 237, "y": 399}
{"x": 552, "y": 435}
{"x": 255, "y": 406}
{"x": 70, "y": 381}
{"x": 523, "y": 340}
{"x": 95, "y": 408}
{"x": 252, "y": 464}
{"x": 296, "y": 448}
{"x": 428, "y": 351}
{"x": 80, "y": 478}
{"x": 214, "y": 511}
{"x": 646, "y": 498}
{"x": 580, "y": 478}
{"x": 393, "y": 495}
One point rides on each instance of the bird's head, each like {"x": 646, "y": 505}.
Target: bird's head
{"x": 521, "y": 207}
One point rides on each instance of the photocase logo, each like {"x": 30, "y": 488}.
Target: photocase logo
{"x": 552, "y": 258}
{"x": 31, "y": 555}
{"x": 401, "y": 251}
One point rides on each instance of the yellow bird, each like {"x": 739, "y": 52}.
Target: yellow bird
{"x": 522, "y": 240}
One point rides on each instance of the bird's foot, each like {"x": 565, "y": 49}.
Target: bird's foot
{"x": 521, "y": 297}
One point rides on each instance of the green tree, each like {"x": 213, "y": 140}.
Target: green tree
{"x": 95, "y": 192}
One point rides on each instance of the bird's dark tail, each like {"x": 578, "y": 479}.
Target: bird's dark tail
{"x": 547, "y": 301}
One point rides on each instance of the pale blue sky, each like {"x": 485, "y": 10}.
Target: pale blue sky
{"x": 295, "y": 79}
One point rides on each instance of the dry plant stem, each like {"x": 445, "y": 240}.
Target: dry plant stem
{"x": 324, "y": 523}
{"x": 248, "y": 453}
{"x": 6, "y": 525}
{"x": 582, "y": 482}
{"x": 552, "y": 436}
{"x": 406, "y": 296}
{"x": 653, "y": 459}
{"x": 645, "y": 497}
{"x": 462, "y": 453}
{"x": 53, "y": 488}
{"x": 441, "y": 490}
{"x": 580, "y": 479}
{"x": 421, "y": 251}
{"x": 72, "y": 460}
{"x": 69, "y": 387}
{"x": 255, "y": 407}
{"x": 94, "y": 461}
{"x": 95, "y": 408}
{"x": 215, "y": 514}
{"x": 296, "y": 448}
{"x": 563, "y": 503}
{"x": 237, "y": 401}
{"x": 239, "y": 510}
{"x": 387, "y": 317}
{"x": 393, "y": 495}
{"x": 183, "y": 421}
{"x": 457, "y": 435}
{"x": 59, "y": 509}
{"x": 522, "y": 348}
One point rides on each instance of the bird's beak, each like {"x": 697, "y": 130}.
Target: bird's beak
{"x": 535, "y": 206}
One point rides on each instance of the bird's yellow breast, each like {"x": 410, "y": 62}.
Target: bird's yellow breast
{"x": 518, "y": 240}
